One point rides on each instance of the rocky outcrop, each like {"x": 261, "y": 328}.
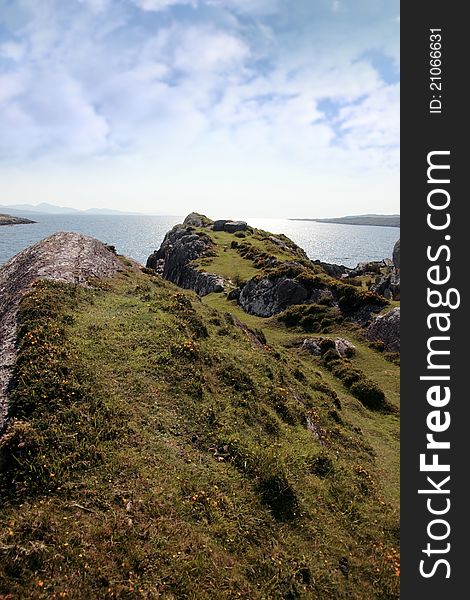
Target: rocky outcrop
{"x": 180, "y": 247}
{"x": 336, "y": 271}
{"x": 345, "y": 348}
{"x": 386, "y": 329}
{"x": 67, "y": 257}
{"x": 269, "y": 296}
{"x": 10, "y": 220}
{"x": 388, "y": 285}
{"x": 385, "y": 275}
{"x": 195, "y": 219}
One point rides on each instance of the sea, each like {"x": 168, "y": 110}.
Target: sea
{"x": 137, "y": 236}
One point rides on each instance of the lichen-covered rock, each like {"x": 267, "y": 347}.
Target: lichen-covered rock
{"x": 312, "y": 346}
{"x": 195, "y": 219}
{"x": 386, "y": 328}
{"x": 345, "y": 348}
{"x": 180, "y": 247}
{"x": 388, "y": 286}
{"x": 67, "y": 257}
{"x": 267, "y": 297}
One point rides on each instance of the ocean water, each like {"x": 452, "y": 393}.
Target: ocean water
{"x": 138, "y": 236}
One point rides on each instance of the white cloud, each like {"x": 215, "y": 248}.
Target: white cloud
{"x": 224, "y": 98}
{"x": 375, "y": 122}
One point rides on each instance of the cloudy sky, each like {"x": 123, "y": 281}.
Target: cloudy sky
{"x": 273, "y": 108}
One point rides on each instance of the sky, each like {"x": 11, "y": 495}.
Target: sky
{"x": 256, "y": 108}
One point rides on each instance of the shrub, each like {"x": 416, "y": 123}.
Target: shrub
{"x": 314, "y": 318}
{"x": 322, "y": 466}
{"x": 360, "y": 386}
{"x": 369, "y": 394}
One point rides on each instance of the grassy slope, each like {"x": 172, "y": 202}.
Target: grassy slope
{"x": 156, "y": 452}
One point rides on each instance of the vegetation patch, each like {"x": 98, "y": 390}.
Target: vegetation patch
{"x": 155, "y": 451}
{"x": 313, "y": 318}
{"x": 360, "y": 386}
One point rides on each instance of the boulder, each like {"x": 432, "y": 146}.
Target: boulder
{"x": 229, "y": 226}
{"x": 386, "y": 328}
{"x": 195, "y": 219}
{"x": 345, "y": 348}
{"x": 267, "y": 297}
{"x": 312, "y": 346}
{"x": 219, "y": 225}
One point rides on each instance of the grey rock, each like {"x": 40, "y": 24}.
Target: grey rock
{"x": 345, "y": 348}
{"x": 368, "y": 267}
{"x": 179, "y": 248}
{"x": 312, "y": 346}
{"x": 266, "y": 297}
{"x": 386, "y": 328}
{"x": 388, "y": 286}
{"x": 234, "y": 226}
{"x": 195, "y": 219}
{"x": 229, "y": 226}
{"x": 66, "y": 257}
{"x": 219, "y": 225}
{"x": 234, "y": 294}
{"x": 336, "y": 271}
{"x": 396, "y": 255}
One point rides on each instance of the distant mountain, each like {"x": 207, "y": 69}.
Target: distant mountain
{"x": 377, "y": 220}
{"x": 52, "y": 209}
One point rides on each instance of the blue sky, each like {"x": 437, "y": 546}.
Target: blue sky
{"x": 276, "y": 108}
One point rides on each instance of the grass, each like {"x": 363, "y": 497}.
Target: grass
{"x": 155, "y": 451}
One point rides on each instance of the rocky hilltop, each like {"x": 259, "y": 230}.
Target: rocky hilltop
{"x": 171, "y": 442}
{"x": 214, "y": 257}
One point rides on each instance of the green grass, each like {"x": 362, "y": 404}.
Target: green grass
{"x": 230, "y": 265}
{"x": 155, "y": 451}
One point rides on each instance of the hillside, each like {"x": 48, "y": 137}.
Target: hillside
{"x": 377, "y": 220}
{"x": 164, "y": 444}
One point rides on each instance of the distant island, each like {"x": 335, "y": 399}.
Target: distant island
{"x": 9, "y": 220}
{"x": 377, "y": 220}
{"x": 52, "y": 209}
